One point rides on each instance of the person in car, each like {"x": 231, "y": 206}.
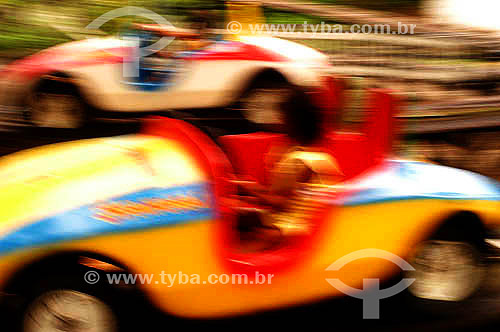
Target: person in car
{"x": 293, "y": 168}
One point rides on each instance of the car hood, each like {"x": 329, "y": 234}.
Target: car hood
{"x": 288, "y": 49}
{"x": 50, "y": 180}
{"x": 17, "y": 77}
{"x": 68, "y": 55}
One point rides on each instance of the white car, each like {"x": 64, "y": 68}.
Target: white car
{"x": 64, "y": 85}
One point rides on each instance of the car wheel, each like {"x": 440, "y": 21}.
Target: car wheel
{"x": 448, "y": 276}
{"x": 445, "y": 271}
{"x": 68, "y": 310}
{"x": 51, "y": 110}
{"x": 65, "y": 302}
{"x": 263, "y": 105}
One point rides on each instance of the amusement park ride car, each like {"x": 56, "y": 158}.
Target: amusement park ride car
{"x": 167, "y": 200}
{"x": 65, "y": 85}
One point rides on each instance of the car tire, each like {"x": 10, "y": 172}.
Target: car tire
{"x": 449, "y": 273}
{"x": 263, "y": 104}
{"x": 64, "y": 302}
{"x": 56, "y": 108}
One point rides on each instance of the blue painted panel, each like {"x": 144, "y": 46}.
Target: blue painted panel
{"x": 150, "y": 208}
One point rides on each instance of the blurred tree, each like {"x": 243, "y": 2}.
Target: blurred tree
{"x": 27, "y": 24}
{"x": 391, "y": 5}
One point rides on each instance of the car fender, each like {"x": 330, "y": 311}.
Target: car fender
{"x": 20, "y": 76}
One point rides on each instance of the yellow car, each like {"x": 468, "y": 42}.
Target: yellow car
{"x": 160, "y": 212}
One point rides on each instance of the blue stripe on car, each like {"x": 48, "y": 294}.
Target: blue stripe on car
{"x": 408, "y": 180}
{"x": 83, "y": 222}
